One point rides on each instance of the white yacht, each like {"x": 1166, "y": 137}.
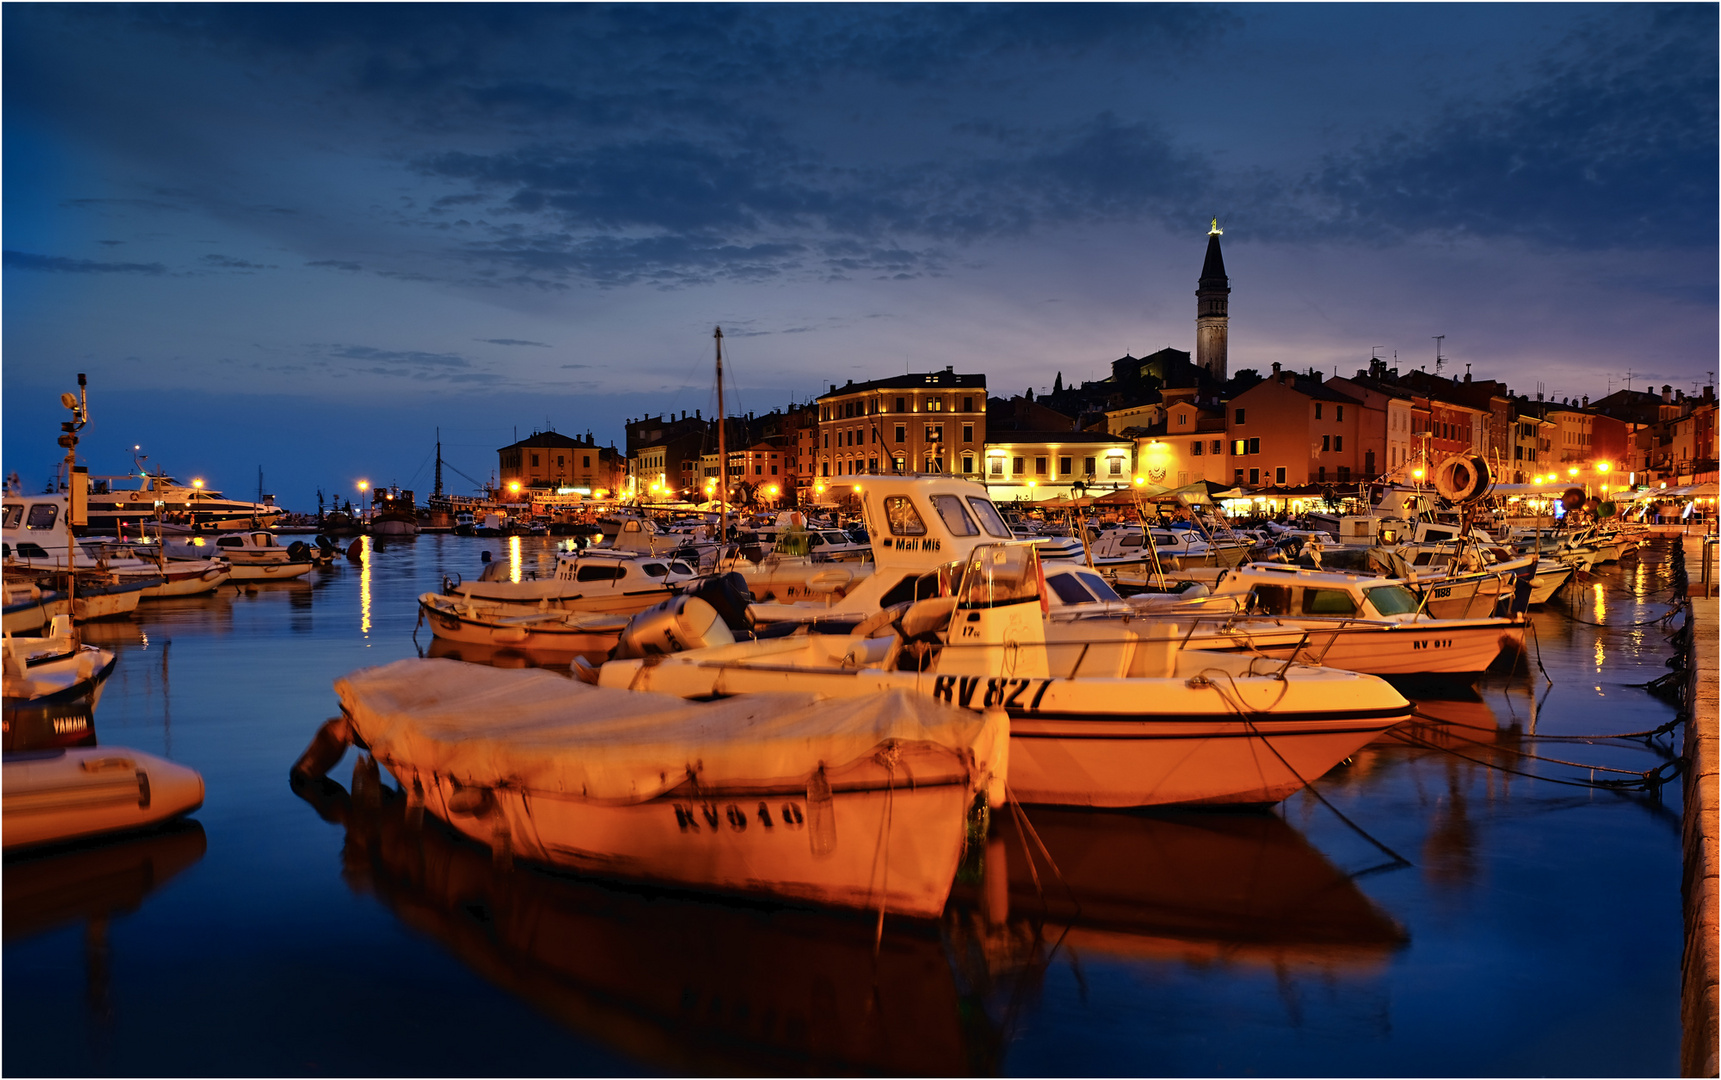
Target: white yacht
{"x": 159, "y": 497}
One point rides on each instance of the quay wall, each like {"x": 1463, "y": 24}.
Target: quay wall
{"x": 1701, "y": 1019}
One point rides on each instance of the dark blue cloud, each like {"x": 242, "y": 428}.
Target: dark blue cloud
{"x": 512, "y": 341}
{"x": 24, "y": 260}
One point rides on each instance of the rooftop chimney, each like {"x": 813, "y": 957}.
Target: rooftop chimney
{"x": 1275, "y": 367}
{"x": 1667, "y": 394}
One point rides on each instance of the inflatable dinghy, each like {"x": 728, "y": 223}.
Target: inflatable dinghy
{"x": 49, "y": 796}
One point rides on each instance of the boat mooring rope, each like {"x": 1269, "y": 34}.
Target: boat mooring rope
{"x": 1307, "y": 785}
{"x": 1648, "y": 781}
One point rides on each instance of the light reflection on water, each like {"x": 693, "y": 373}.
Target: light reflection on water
{"x": 340, "y": 937}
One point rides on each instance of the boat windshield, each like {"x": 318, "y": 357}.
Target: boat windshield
{"x": 1097, "y": 585}
{"x": 1391, "y": 599}
{"x": 998, "y": 575}
{"x": 989, "y": 518}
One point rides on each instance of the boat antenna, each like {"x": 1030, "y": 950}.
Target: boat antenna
{"x": 722, "y": 451}
{"x": 79, "y": 404}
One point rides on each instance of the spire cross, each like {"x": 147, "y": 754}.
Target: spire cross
{"x": 1215, "y": 230}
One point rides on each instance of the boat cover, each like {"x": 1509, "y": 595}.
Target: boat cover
{"x": 536, "y": 729}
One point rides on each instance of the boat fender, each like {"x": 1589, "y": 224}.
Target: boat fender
{"x": 355, "y": 551}
{"x": 470, "y": 801}
{"x": 327, "y": 748}
{"x": 822, "y": 815}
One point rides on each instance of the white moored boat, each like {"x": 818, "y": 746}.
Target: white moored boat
{"x": 1102, "y": 714}
{"x": 856, "y": 803}
{"x": 257, "y": 555}
{"x": 592, "y": 581}
{"x": 1348, "y": 621}
{"x": 470, "y": 621}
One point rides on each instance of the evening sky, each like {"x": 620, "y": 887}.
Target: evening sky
{"x": 302, "y": 239}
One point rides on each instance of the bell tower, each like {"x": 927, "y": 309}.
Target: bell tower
{"x": 1211, "y": 318}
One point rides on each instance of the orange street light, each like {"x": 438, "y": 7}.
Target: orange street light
{"x": 1573, "y": 471}
{"x": 1603, "y": 466}
{"x": 198, "y": 484}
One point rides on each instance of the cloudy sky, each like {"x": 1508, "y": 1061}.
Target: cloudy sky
{"x": 303, "y": 239}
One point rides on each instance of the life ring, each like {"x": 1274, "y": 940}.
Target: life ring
{"x": 134, "y": 496}
{"x": 1461, "y": 478}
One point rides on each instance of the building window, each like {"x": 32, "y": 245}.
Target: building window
{"x": 967, "y": 404}
{"x": 1115, "y": 466}
{"x": 1088, "y": 466}
{"x": 1218, "y": 446}
{"x": 901, "y": 465}
{"x": 967, "y": 433}
{"x": 534, "y": 461}
{"x": 1182, "y": 419}
{"x": 1238, "y": 418}
{"x": 872, "y": 465}
{"x": 1238, "y": 478}
{"x": 559, "y": 461}
{"x": 1326, "y": 443}
{"x": 875, "y": 436}
{"x": 758, "y": 470}
{"x": 901, "y": 433}
{"x": 1344, "y": 474}
{"x": 901, "y": 404}
{"x": 586, "y": 461}
{"x": 1039, "y": 466}
{"x": 1317, "y": 410}
{"x": 826, "y": 466}
{"x": 1323, "y": 474}
{"x": 967, "y": 463}
{"x": 935, "y": 404}
{"x": 1338, "y": 442}
{"x": 1016, "y": 466}
{"x": 827, "y": 440}
{"x": 1195, "y": 448}
{"x": 1254, "y": 446}
{"x": 1254, "y": 477}
{"x": 997, "y": 466}
{"x": 1279, "y": 475}
{"x": 1063, "y": 466}
{"x": 1341, "y": 411}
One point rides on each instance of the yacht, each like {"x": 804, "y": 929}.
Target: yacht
{"x": 159, "y": 497}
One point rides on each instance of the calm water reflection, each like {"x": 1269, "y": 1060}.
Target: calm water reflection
{"x": 1535, "y": 928}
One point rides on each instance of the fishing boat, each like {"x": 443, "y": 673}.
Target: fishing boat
{"x": 591, "y": 581}
{"x": 393, "y": 513}
{"x": 1349, "y": 621}
{"x": 257, "y": 555}
{"x": 470, "y": 621}
{"x": 1102, "y": 714}
{"x": 858, "y": 803}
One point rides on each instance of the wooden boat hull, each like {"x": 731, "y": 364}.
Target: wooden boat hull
{"x": 62, "y": 795}
{"x": 763, "y": 842}
{"x": 284, "y": 571}
{"x": 584, "y": 633}
{"x": 189, "y": 583}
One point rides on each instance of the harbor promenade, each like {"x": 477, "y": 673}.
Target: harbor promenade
{"x": 1702, "y": 1018}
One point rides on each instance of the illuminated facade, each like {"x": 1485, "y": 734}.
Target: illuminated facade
{"x": 928, "y": 422}
{"x": 548, "y": 461}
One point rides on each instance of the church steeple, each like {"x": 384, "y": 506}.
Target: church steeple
{"x": 1211, "y": 309}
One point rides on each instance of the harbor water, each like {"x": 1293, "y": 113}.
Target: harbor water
{"x": 1465, "y": 897}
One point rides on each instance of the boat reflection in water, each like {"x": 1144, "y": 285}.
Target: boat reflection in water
{"x": 688, "y": 984}
{"x": 704, "y": 985}
{"x": 1199, "y": 887}
{"x": 502, "y": 656}
{"x": 94, "y": 883}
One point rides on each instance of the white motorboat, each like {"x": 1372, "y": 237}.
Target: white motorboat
{"x": 858, "y": 803}
{"x": 257, "y": 555}
{"x": 135, "y": 561}
{"x": 1102, "y": 714}
{"x": 52, "y": 796}
{"x": 30, "y": 607}
{"x": 1338, "y": 620}
{"x": 592, "y": 581}
{"x": 54, "y": 667}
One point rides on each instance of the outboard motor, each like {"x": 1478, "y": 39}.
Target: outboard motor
{"x": 729, "y": 596}
{"x": 676, "y": 625}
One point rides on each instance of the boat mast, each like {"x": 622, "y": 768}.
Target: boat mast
{"x": 439, "y": 463}
{"x": 80, "y": 405}
{"x": 722, "y": 451}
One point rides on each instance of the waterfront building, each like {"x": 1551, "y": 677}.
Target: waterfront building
{"x": 1032, "y": 465}
{"x": 926, "y": 422}
{"x": 756, "y": 475}
{"x": 547, "y": 461}
{"x": 1291, "y": 429}
{"x": 663, "y": 455}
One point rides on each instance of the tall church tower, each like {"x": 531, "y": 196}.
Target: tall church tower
{"x": 1211, "y": 319}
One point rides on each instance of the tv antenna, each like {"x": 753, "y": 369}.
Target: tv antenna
{"x": 1439, "y": 361}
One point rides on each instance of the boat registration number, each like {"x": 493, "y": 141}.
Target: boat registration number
{"x": 1432, "y": 643}
{"x": 1010, "y": 693}
{"x": 710, "y": 816}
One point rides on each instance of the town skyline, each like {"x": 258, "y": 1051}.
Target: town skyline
{"x": 304, "y": 240}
